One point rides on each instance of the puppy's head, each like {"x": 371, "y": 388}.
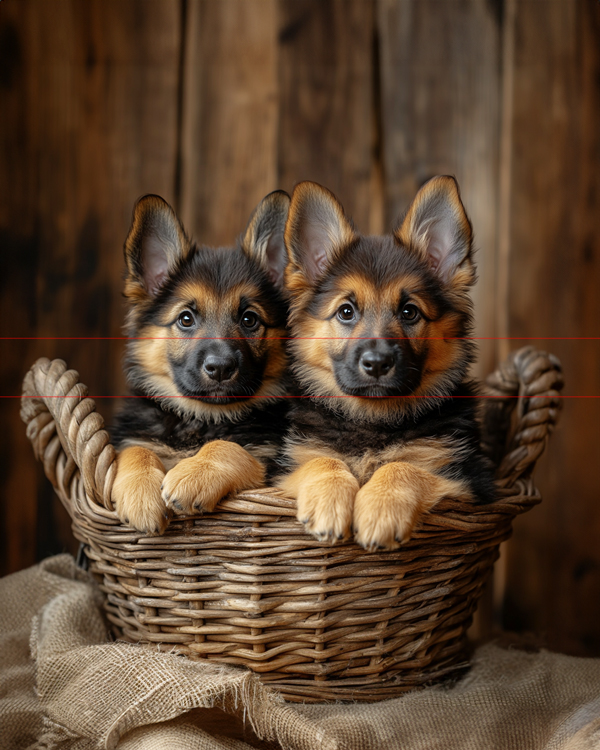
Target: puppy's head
{"x": 206, "y": 324}
{"x": 379, "y": 322}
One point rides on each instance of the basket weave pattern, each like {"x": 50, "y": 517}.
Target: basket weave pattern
{"x": 245, "y": 585}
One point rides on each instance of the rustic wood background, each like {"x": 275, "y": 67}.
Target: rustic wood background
{"x": 214, "y": 103}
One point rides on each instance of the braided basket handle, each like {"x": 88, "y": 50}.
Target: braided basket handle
{"x": 520, "y": 411}
{"x": 60, "y": 418}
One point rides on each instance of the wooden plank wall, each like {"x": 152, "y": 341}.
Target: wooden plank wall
{"x": 440, "y": 103}
{"x": 553, "y": 584}
{"x": 213, "y": 103}
{"x": 89, "y": 103}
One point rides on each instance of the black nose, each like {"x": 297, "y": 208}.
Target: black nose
{"x": 219, "y": 368}
{"x": 376, "y": 363}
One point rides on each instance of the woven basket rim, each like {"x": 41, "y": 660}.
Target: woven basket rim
{"x": 450, "y": 514}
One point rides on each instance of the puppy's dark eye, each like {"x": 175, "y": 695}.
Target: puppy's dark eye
{"x": 346, "y": 312}
{"x": 186, "y": 319}
{"x": 250, "y": 320}
{"x": 410, "y": 313}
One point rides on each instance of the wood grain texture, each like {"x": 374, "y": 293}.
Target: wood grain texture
{"x": 553, "y": 583}
{"x": 229, "y": 115}
{"x": 326, "y": 126}
{"x": 440, "y": 84}
{"x": 89, "y": 94}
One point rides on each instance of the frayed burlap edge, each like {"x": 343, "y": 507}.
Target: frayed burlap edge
{"x": 146, "y": 687}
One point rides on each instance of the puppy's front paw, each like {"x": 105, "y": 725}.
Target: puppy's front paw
{"x": 380, "y": 518}
{"x": 136, "y": 491}
{"x": 389, "y": 505}
{"x": 324, "y": 490}
{"x": 197, "y": 484}
{"x": 192, "y": 486}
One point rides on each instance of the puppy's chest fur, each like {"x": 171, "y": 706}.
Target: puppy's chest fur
{"x": 142, "y": 422}
{"x": 445, "y": 442}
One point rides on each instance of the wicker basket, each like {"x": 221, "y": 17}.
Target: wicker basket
{"x": 245, "y": 585}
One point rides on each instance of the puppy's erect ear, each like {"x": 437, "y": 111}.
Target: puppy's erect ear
{"x": 155, "y": 244}
{"x": 263, "y": 238}
{"x": 315, "y": 230}
{"x": 437, "y": 228}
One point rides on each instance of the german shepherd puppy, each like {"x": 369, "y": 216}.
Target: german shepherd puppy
{"x": 385, "y": 426}
{"x": 206, "y": 355}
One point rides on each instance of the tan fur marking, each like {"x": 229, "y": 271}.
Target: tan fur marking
{"x": 204, "y": 296}
{"x": 355, "y": 285}
{"x": 212, "y": 307}
{"x": 151, "y": 351}
{"x": 302, "y": 453}
{"x": 277, "y": 360}
{"x": 136, "y": 490}
{"x": 313, "y": 349}
{"x": 464, "y": 277}
{"x": 429, "y": 454}
{"x": 443, "y": 353}
{"x": 378, "y": 300}
{"x": 210, "y": 303}
{"x": 196, "y": 484}
{"x": 324, "y": 490}
{"x": 170, "y": 456}
{"x": 392, "y": 502}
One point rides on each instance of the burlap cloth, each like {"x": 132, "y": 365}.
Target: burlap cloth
{"x": 63, "y": 686}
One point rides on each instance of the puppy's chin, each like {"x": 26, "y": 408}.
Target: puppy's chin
{"x": 356, "y": 387}
{"x": 375, "y": 390}
{"x": 215, "y": 393}
{"x": 369, "y": 391}
{"x": 220, "y": 400}
{"x": 217, "y": 396}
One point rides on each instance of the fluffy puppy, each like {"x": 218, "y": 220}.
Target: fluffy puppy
{"x": 205, "y": 359}
{"x": 385, "y": 423}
